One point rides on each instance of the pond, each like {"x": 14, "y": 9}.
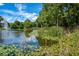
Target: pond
{"x": 19, "y": 39}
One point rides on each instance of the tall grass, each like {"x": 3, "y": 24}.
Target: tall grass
{"x": 66, "y": 43}
{"x": 53, "y": 42}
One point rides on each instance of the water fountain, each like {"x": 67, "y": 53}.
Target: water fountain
{"x": 17, "y": 38}
{"x": 4, "y": 24}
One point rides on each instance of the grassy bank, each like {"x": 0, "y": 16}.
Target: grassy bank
{"x": 53, "y": 42}
{"x": 57, "y": 41}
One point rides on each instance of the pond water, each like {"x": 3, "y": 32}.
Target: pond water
{"x": 18, "y": 38}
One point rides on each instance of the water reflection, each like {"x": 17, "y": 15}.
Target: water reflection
{"x": 18, "y": 38}
{"x": 1, "y": 40}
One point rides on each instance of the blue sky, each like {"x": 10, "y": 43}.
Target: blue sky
{"x": 20, "y": 11}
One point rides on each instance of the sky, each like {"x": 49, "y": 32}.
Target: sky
{"x": 20, "y": 11}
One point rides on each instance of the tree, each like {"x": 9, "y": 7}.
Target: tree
{"x": 65, "y": 15}
{"x": 17, "y": 25}
{"x": 27, "y": 24}
{"x": 1, "y": 18}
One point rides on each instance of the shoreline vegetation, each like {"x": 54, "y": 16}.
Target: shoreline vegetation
{"x": 53, "y": 42}
{"x": 56, "y": 28}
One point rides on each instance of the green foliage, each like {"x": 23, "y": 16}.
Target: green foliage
{"x": 16, "y": 25}
{"x": 27, "y": 24}
{"x": 67, "y": 45}
{"x": 50, "y": 32}
{"x": 63, "y": 44}
{"x": 52, "y": 37}
{"x": 9, "y": 50}
{"x": 65, "y": 15}
{"x": 1, "y": 18}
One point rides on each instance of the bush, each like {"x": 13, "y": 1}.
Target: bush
{"x": 50, "y": 32}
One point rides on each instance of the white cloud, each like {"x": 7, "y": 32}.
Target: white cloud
{"x": 9, "y": 11}
{"x": 33, "y": 17}
{"x": 8, "y": 18}
{"x": 20, "y": 7}
{"x": 11, "y": 19}
{"x": 20, "y": 14}
{"x": 1, "y": 4}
